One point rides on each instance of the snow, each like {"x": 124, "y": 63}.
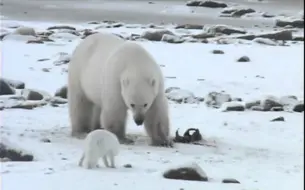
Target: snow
{"x": 258, "y": 153}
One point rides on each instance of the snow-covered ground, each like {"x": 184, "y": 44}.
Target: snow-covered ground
{"x": 261, "y": 154}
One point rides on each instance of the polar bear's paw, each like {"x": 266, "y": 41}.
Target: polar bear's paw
{"x": 126, "y": 141}
{"x": 163, "y": 143}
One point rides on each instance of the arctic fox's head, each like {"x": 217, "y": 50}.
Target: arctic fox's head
{"x": 139, "y": 94}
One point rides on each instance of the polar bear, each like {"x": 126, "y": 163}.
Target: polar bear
{"x": 99, "y": 143}
{"x": 107, "y": 76}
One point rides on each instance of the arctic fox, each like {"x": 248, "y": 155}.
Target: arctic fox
{"x": 99, "y": 143}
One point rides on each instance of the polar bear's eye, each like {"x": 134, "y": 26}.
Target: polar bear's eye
{"x": 132, "y": 105}
{"x": 145, "y": 105}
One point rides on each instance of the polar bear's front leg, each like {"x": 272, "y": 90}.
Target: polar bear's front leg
{"x": 80, "y": 110}
{"x": 114, "y": 120}
{"x": 157, "y": 123}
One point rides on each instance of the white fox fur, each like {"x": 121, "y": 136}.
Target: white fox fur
{"x": 99, "y": 143}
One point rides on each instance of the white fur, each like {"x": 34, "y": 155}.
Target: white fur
{"x": 99, "y": 144}
{"x": 106, "y": 76}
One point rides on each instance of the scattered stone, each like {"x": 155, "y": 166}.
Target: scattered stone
{"x": 293, "y": 23}
{"x": 5, "y": 88}
{"x": 36, "y": 41}
{"x": 224, "y": 29}
{"x": 88, "y": 32}
{"x": 62, "y": 92}
{"x": 237, "y": 99}
{"x": 46, "y": 70}
{"x": 61, "y": 27}
{"x": 216, "y": 99}
{"x": 190, "y": 26}
{"x": 268, "y": 15}
{"x": 269, "y": 102}
{"x": 25, "y": 31}
{"x": 43, "y": 59}
{"x": 277, "y": 109}
{"x": 172, "y": 39}
{"x": 257, "y": 108}
{"x": 127, "y": 166}
{"x": 265, "y": 41}
{"x": 15, "y": 83}
{"x": 29, "y": 105}
{"x": 45, "y": 140}
{"x": 243, "y": 59}
{"x": 278, "y": 119}
{"x": 212, "y": 4}
{"x": 230, "y": 180}
{"x": 191, "y": 172}
{"x": 13, "y": 152}
{"x": 94, "y": 22}
{"x": 193, "y": 3}
{"x": 205, "y": 35}
{"x": 241, "y": 12}
{"x": 216, "y": 51}
{"x": 232, "y": 106}
{"x": 298, "y": 107}
{"x": 181, "y": 96}
{"x": 288, "y": 100}
{"x": 62, "y": 59}
{"x": 156, "y": 35}
{"x": 278, "y": 35}
{"x": 58, "y": 100}
{"x": 30, "y": 94}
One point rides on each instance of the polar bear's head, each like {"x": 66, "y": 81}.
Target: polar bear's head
{"x": 138, "y": 95}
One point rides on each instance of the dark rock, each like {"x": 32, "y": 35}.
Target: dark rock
{"x": 15, "y": 83}
{"x": 88, "y": 32}
{"x": 12, "y": 152}
{"x": 225, "y": 30}
{"x": 36, "y": 41}
{"x": 191, "y": 173}
{"x": 269, "y": 102}
{"x": 294, "y": 23}
{"x": 243, "y": 59}
{"x": 5, "y": 88}
{"x": 257, "y": 108}
{"x": 156, "y": 35}
{"x": 237, "y": 99}
{"x": 30, "y": 94}
{"x": 277, "y": 109}
{"x": 267, "y": 15}
{"x": 232, "y": 106}
{"x": 242, "y": 12}
{"x": 127, "y": 166}
{"x": 212, "y": 4}
{"x": 190, "y": 26}
{"x": 216, "y": 51}
{"x": 29, "y": 105}
{"x": 278, "y": 119}
{"x": 169, "y": 89}
{"x": 230, "y": 180}
{"x": 278, "y": 35}
{"x": 58, "y": 100}
{"x": 45, "y": 140}
{"x": 298, "y": 107}
{"x": 61, "y": 27}
{"x": 62, "y": 92}
{"x": 193, "y": 3}
{"x": 298, "y": 38}
{"x": 94, "y": 22}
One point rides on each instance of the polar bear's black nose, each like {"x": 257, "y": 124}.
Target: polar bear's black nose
{"x": 139, "y": 120}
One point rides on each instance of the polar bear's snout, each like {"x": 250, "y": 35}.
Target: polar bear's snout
{"x": 138, "y": 119}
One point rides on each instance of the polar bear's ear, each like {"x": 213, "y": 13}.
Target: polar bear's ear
{"x": 125, "y": 82}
